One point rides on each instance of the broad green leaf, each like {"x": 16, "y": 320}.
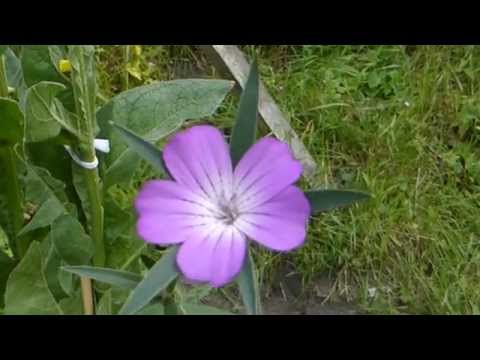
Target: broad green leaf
{"x": 6, "y": 266}
{"x": 51, "y": 267}
{"x": 66, "y": 279}
{"x": 104, "y": 306}
{"x": 53, "y": 157}
{"x": 41, "y": 186}
{"x": 15, "y": 75}
{"x": 73, "y": 245}
{"x": 200, "y": 309}
{"x": 325, "y": 200}
{"x": 153, "y": 309}
{"x": 45, "y": 215}
{"x": 57, "y": 54}
{"x": 11, "y": 122}
{"x": 154, "y": 112}
{"x": 245, "y": 128}
{"x": 45, "y": 115}
{"x": 154, "y": 282}
{"x": 122, "y": 279}
{"x": 47, "y": 194}
{"x": 248, "y": 285}
{"x": 11, "y": 183}
{"x": 37, "y": 65}
{"x": 144, "y": 149}
{"x": 72, "y": 305}
{"x": 27, "y": 290}
{"x": 121, "y": 243}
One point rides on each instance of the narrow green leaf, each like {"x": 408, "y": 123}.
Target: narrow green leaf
{"x": 11, "y": 123}
{"x": 73, "y": 245}
{"x": 245, "y": 128}
{"x": 122, "y": 279}
{"x": 325, "y": 200}
{"x": 155, "y": 281}
{"x": 248, "y": 284}
{"x": 200, "y": 309}
{"x": 27, "y": 290}
{"x": 154, "y": 112}
{"x": 144, "y": 149}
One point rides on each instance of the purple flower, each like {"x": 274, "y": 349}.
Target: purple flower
{"x": 211, "y": 209}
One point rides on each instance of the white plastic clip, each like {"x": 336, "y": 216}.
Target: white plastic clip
{"x": 99, "y": 144}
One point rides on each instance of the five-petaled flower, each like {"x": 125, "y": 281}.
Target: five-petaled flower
{"x": 210, "y": 208}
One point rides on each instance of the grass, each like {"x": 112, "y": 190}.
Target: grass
{"x": 402, "y": 123}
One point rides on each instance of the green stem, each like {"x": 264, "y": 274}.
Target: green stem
{"x": 126, "y": 59}
{"x": 84, "y": 94}
{"x": 3, "y": 78}
{"x": 92, "y": 184}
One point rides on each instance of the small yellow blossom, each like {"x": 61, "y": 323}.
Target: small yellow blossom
{"x": 65, "y": 66}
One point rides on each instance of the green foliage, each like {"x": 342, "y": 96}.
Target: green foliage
{"x": 153, "y": 112}
{"x": 11, "y": 127}
{"x": 27, "y": 290}
{"x": 155, "y": 281}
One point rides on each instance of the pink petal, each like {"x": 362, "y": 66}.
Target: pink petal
{"x": 265, "y": 170}
{"x": 199, "y": 158}
{"x": 168, "y": 212}
{"x": 279, "y": 224}
{"x": 215, "y": 256}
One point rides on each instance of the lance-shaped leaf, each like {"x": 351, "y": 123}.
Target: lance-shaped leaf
{"x": 155, "y": 281}
{"x": 11, "y": 122}
{"x": 73, "y": 245}
{"x": 243, "y": 137}
{"x": 27, "y": 290}
{"x": 45, "y": 115}
{"x": 248, "y": 285}
{"x": 119, "y": 278}
{"x": 325, "y": 200}
{"x": 245, "y": 128}
{"x": 153, "y": 112}
{"x": 142, "y": 148}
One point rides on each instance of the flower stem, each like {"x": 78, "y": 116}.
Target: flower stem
{"x": 126, "y": 59}
{"x": 3, "y": 77}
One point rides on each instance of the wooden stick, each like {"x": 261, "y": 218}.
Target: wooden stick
{"x": 87, "y": 295}
{"x": 231, "y": 58}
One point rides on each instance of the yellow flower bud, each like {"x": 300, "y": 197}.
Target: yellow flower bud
{"x": 137, "y": 50}
{"x": 65, "y": 66}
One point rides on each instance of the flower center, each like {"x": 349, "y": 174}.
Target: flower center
{"x": 228, "y": 211}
